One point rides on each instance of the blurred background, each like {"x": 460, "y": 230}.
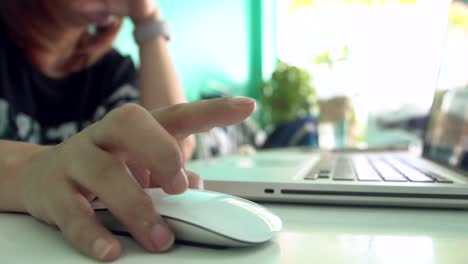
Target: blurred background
{"x": 325, "y": 73}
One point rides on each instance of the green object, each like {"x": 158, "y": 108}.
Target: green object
{"x": 216, "y": 43}
{"x": 288, "y": 95}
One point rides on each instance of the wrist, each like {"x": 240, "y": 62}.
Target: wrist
{"x": 153, "y": 15}
{"x": 150, "y": 29}
{"x": 12, "y": 166}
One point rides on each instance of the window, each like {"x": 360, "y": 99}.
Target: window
{"x": 383, "y": 54}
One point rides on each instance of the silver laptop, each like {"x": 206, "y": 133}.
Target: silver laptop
{"x": 436, "y": 178}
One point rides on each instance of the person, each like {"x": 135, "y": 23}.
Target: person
{"x": 78, "y": 122}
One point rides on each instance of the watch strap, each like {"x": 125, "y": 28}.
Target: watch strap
{"x": 151, "y": 29}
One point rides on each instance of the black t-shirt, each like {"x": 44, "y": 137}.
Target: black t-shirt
{"x": 42, "y": 110}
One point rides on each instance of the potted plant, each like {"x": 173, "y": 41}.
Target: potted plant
{"x": 288, "y": 101}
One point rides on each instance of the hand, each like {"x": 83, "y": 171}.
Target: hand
{"x": 188, "y": 146}
{"x": 57, "y": 183}
{"x": 102, "y": 11}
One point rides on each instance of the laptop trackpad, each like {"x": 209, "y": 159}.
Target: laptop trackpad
{"x": 269, "y": 166}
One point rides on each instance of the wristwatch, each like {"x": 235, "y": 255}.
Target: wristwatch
{"x": 151, "y": 29}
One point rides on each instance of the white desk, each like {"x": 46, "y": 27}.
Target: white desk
{"x": 312, "y": 234}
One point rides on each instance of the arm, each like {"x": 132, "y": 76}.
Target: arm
{"x": 158, "y": 80}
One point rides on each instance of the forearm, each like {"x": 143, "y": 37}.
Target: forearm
{"x": 158, "y": 80}
{"x": 13, "y": 156}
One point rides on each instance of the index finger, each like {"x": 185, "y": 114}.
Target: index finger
{"x": 115, "y": 7}
{"x": 183, "y": 120}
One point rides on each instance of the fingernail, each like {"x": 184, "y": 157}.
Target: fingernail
{"x": 101, "y": 248}
{"x": 180, "y": 183}
{"x": 161, "y": 237}
{"x": 241, "y": 100}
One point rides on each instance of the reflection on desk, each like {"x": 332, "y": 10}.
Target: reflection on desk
{"x": 312, "y": 234}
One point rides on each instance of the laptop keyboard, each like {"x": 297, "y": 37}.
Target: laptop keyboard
{"x": 365, "y": 169}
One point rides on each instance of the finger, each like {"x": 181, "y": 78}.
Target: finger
{"x": 133, "y": 129}
{"x": 115, "y": 7}
{"x": 195, "y": 181}
{"x": 90, "y": 6}
{"x": 141, "y": 174}
{"x": 109, "y": 178}
{"x": 73, "y": 214}
{"x": 188, "y": 146}
{"x": 185, "y": 119}
{"x": 86, "y": 194}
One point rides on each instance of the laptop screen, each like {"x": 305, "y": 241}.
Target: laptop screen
{"x": 446, "y": 138}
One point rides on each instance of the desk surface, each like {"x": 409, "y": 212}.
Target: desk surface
{"x": 311, "y": 234}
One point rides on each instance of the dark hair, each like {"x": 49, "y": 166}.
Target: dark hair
{"x": 30, "y": 22}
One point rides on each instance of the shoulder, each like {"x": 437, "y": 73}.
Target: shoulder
{"x": 5, "y": 42}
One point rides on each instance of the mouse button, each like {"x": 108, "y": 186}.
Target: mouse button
{"x": 156, "y": 194}
{"x": 177, "y": 210}
{"x": 195, "y": 234}
{"x": 219, "y": 216}
{"x": 240, "y": 221}
{"x": 190, "y": 198}
{"x": 270, "y": 220}
{"x": 196, "y": 195}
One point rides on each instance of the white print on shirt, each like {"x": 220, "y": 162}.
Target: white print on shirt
{"x": 28, "y": 130}
{"x": 63, "y": 131}
{"x": 3, "y": 116}
{"x": 116, "y": 99}
{"x": 24, "y": 124}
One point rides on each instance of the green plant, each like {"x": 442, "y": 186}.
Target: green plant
{"x": 288, "y": 95}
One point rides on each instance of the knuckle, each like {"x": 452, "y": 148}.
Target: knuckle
{"x": 172, "y": 158}
{"x": 107, "y": 168}
{"x": 126, "y": 112}
{"x": 119, "y": 118}
{"x": 73, "y": 231}
{"x": 72, "y": 222}
{"x": 140, "y": 207}
{"x": 65, "y": 153}
{"x": 172, "y": 117}
{"x": 144, "y": 202}
{"x": 124, "y": 115}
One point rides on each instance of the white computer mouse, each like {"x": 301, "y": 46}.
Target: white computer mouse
{"x": 209, "y": 218}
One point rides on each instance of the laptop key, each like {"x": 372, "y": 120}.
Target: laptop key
{"x": 324, "y": 169}
{"x": 344, "y": 170}
{"x": 387, "y": 172}
{"x": 323, "y": 176}
{"x": 441, "y": 179}
{"x": 311, "y": 176}
{"x": 364, "y": 171}
{"x": 438, "y": 178}
{"x": 435, "y": 176}
{"x": 409, "y": 172}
